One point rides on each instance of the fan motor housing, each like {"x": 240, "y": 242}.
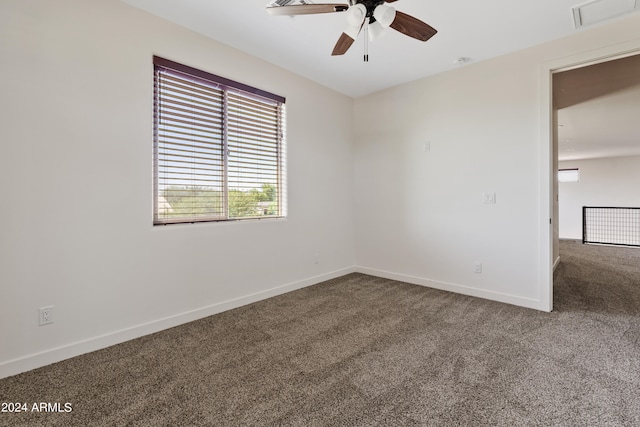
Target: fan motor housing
{"x": 370, "y": 5}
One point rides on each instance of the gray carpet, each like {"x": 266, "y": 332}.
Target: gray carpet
{"x": 363, "y": 351}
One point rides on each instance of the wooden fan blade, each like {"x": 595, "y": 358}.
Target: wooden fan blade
{"x": 343, "y": 45}
{"x": 390, "y": 1}
{"x": 307, "y": 9}
{"x": 412, "y": 27}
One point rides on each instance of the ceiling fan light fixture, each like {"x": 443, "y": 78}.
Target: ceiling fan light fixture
{"x": 384, "y": 14}
{"x": 355, "y": 19}
{"x": 356, "y": 15}
{"x": 376, "y": 30}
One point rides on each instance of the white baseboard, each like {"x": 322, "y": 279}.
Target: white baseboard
{"x": 47, "y": 357}
{"x": 459, "y": 289}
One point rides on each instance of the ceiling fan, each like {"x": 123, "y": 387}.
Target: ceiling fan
{"x": 371, "y": 15}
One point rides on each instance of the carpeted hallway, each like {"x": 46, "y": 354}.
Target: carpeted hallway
{"x": 363, "y": 351}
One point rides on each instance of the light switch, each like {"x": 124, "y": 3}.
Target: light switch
{"x": 477, "y": 267}
{"x": 488, "y": 198}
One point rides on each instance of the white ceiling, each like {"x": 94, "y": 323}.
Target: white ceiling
{"x": 604, "y": 127}
{"x": 466, "y": 28}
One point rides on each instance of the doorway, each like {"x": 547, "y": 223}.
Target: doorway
{"x": 549, "y": 215}
{"x": 596, "y": 108}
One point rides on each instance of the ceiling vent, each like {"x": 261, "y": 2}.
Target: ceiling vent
{"x": 601, "y": 10}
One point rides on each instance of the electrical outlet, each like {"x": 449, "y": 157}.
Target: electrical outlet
{"x": 46, "y": 315}
{"x": 477, "y": 267}
{"x": 316, "y": 258}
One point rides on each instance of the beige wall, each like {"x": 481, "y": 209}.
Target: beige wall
{"x": 76, "y": 172}
{"x": 603, "y": 182}
{"x": 419, "y": 213}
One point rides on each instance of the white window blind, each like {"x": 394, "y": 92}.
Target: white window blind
{"x": 219, "y": 148}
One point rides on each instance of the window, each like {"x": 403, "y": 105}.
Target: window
{"x": 568, "y": 175}
{"x": 219, "y": 148}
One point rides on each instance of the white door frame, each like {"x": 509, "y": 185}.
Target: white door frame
{"x": 547, "y": 150}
